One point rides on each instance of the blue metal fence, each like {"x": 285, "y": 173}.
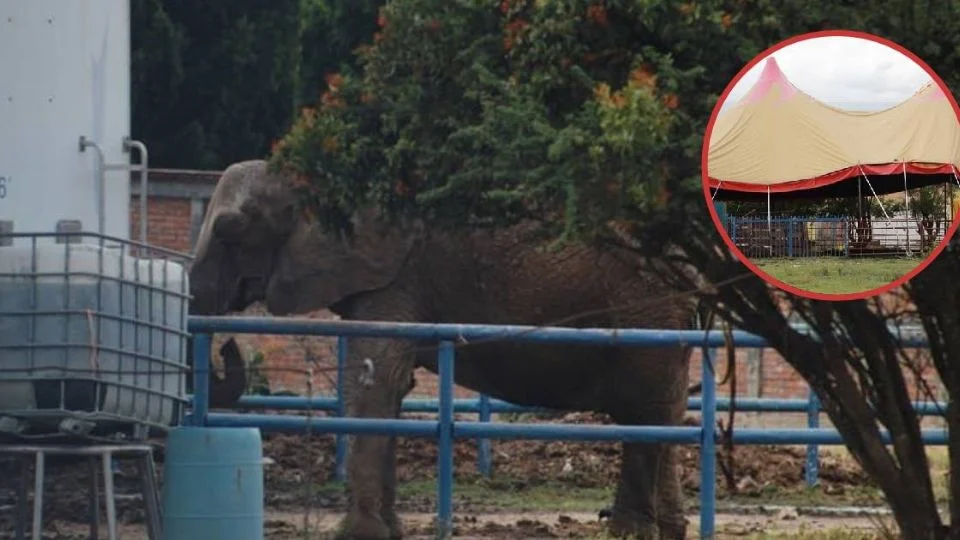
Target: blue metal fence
{"x": 445, "y": 429}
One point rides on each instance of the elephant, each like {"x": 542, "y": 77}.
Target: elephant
{"x": 254, "y": 245}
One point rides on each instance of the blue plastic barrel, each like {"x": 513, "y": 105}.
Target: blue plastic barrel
{"x": 213, "y": 484}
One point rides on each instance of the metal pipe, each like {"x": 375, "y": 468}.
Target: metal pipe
{"x": 476, "y": 405}
{"x": 341, "y": 449}
{"x": 520, "y": 333}
{"x": 281, "y": 423}
{"x": 812, "y": 470}
{"x": 708, "y": 441}
{"x": 484, "y": 456}
{"x": 129, "y": 143}
{"x": 101, "y": 183}
{"x": 201, "y": 379}
{"x": 445, "y": 363}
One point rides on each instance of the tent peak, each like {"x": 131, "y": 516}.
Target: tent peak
{"x": 771, "y": 77}
{"x": 931, "y": 91}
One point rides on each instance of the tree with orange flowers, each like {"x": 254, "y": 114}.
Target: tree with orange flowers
{"x": 586, "y": 112}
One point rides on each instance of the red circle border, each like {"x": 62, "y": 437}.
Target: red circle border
{"x": 706, "y": 181}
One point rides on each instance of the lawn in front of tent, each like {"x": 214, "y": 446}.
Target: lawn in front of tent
{"x": 837, "y": 275}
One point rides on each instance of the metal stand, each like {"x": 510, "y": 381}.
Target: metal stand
{"x": 104, "y": 454}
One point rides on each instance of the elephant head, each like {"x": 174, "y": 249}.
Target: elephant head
{"x": 255, "y": 246}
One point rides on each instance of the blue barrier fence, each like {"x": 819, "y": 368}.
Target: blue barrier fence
{"x": 445, "y": 429}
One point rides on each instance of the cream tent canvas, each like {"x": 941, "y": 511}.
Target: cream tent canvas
{"x": 778, "y": 139}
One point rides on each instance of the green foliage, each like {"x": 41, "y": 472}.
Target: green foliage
{"x": 575, "y": 112}
{"x": 218, "y": 82}
{"x": 257, "y": 382}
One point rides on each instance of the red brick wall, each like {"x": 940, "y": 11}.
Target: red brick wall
{"x": 288, "y": 359}
{"x": 168, "y": 222}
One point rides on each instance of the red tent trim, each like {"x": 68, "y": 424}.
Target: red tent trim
{"x": 834, "y": 177}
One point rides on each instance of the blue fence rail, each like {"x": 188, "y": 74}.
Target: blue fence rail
{"x": 445, "y": 428}
{"x": 484, "y": 407}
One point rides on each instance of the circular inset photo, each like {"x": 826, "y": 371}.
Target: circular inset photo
{"x": 830, "y": 165}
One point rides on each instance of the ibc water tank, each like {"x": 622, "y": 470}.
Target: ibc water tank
{"x": 92, "y": 331}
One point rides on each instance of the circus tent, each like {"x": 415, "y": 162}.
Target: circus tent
{"x": 779, "y": 140}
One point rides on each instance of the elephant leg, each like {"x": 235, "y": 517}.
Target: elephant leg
{"x": 635, "y": 503}
{"x": 648, "y": 503}
{"x": 670, "y": 509}
{"x": 373, "y": 393}
{"x": 388, "y": 511}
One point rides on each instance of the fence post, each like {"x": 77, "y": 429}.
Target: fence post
{"x": 340, "y": 467}
{"x": 484, "y": 461}
{"x": 708, "y": 453}
{"x": 790, "y": 236}
{"x": 201, "y": 379}
{"x": 445, "y": 443}
{"x": 812, "y": 469}
{"x": 846, "y": 241}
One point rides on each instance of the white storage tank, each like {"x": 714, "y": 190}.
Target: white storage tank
{"x": 64, "y": 74}
{"x": 92, "y": 330}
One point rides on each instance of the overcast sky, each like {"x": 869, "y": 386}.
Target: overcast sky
{"x": 846, "y": 72}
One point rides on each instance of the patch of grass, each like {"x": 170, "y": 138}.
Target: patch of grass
{"x": 817, "y": 534}
{"x": 835, "y": 275}
{"x": 499, "y": 494}
{"x": 815, "y": 496}
{"x": 507, "y": 494}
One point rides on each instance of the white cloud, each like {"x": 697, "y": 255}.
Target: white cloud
{"x": 846, "y": 72}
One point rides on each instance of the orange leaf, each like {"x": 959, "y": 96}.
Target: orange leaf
{"x": 671, "y": 101}
{"x": 330, "y": 144}
{"x": 642, "y": 77}
{"x": 334, "y": 81}
{"x": 727, "y": 21}
{"x": 663, "y": 197}
{"x": 597, "y": 14}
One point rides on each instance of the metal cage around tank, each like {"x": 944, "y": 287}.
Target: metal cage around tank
{"x": 92, "y": 337}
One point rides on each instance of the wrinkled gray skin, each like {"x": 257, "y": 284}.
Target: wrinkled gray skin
{"x": 253, "y": 247}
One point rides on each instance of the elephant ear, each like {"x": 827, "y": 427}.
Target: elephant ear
{"x": 317, "y": 270}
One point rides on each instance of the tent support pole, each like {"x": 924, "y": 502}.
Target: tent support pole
{"x": 869, "y": 185}
{"x": 769, "y": 217}
{"x": 859, "y": 198}
{"x": 906, "y": 205}
{"x": 720, "y": 183}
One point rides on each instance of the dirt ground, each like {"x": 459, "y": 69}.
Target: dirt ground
{"x": 298, "y": 473}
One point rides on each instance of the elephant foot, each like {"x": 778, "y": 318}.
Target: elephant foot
{"x": 673, "y": 530}
{"x": 622, "y": 526}
{"x": 365, "y": 527}
{"x": 394, "y": 525}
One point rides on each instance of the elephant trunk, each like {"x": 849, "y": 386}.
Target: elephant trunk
{"x": 225, "y": 392}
